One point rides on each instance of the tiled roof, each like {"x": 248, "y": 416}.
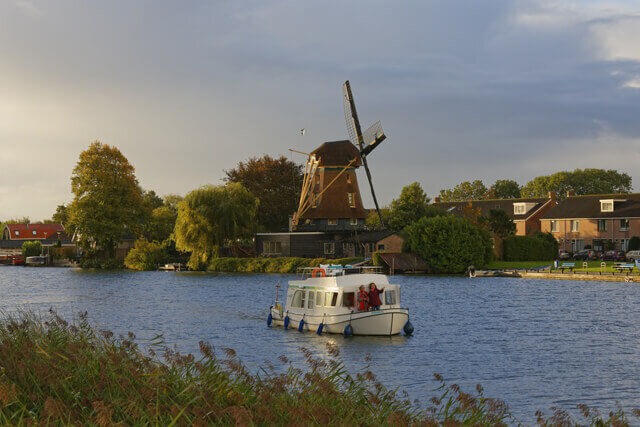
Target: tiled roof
{"x": 338, "y": 153}
{"x": 589, "y": 207}
{"x": 485, "y": 206}
{"x": 34, "y": 231}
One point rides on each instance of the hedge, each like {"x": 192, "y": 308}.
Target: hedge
{"x": 31, "y": 249}
{"x": 271, "y": 265}
{"x": 541, "y": 247}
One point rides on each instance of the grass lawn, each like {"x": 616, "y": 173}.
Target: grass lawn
{"x": 592, "y": 266}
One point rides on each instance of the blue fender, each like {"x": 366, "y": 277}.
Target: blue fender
{"x": 408, "y": 328}
{"x": 286, "y": 322}
{"x": 301, "y": 325}
{"x": 348, "y": 331}
{"x": 269, "y": 319}
{"x": 319, "y": 330}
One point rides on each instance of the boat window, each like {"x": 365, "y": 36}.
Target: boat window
{"x": 319, "y": 298}
{"x": 298, "y": 299}
{"x": 348, "y": 299}
{"x": 330, "y": 299}
{"x": 390, "y": 297}
{"x": 310, "y": 299}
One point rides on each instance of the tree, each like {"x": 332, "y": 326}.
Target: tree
{"x": 276, "y": 182}
{"x": 500, "y": 223}
{"x": 146, "y": 256}
{"x": 504, "y": 189}
{"x": 152, "y": 199}
{"x": 161, "y": 223}
{"x": 31, "y": 249}
{"x": 172, "y": 200}
{"x": 108, "y": 201}
{"x": 373, "y": 220}
{"x": 61, "y": 216}
{"x": 580, "y": 181}
{"x": 634, "y": 243}
{"x": 211, "y": 217}
{"x": 540, "y": 247}
{"x": 449, "y": 244}
{"x": 466, "y": 190}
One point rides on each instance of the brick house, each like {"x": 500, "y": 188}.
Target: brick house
{"x": 14, "y": 235}
{"x": 524, "y": 212}
{"x": 592, "y": 220}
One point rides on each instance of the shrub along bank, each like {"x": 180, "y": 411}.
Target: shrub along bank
{"x": 271, "y": 265}
{"x": 541, "y": 247}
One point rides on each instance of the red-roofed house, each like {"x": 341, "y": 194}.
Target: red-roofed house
{"x": 14, "y": 235}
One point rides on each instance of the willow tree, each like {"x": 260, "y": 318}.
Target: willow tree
{"x": 108, "y": 200}
{"x": 212, "y": 216}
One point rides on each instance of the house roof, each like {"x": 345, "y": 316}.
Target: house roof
{"x": 338, "y": 153}
{"x": 589, "y": 207}
{"x": 35, "y": 231}
{"x": 404, "y": 261}
{"x": 485, "y": 206}
{"x": 369, "y": 236}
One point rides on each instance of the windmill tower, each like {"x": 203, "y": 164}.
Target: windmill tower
{"x": 330, "y": 197}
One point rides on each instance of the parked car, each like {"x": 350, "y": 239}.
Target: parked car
{"x": 563, "y": 255}
{"x": 633, "y": 255}
{"x": 585, "y": 255}
{"x": 614, "y": 256}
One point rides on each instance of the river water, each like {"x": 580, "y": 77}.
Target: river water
{"x": 533, "y": 343}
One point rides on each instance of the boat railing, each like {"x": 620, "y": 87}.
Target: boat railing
{"x": 332, "y": 270}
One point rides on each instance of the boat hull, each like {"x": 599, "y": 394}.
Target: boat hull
{"x": 384, "y": 322}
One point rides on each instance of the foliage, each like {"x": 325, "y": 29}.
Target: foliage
{"x": 152, "y": 200}
{"x": 373, "y": 220}
{"x": 108, "y": 200}
{"x": 94, "y": 261}
{"x": 634, "y": 243}
{"x": 31, "y": 249}
{"x": 466, "y": 190}
{"x": 161, "y": 223}
{"x": 65, "y": 252}
{"x": 449, "y": 244}
{"x": 211, "y": 216}
{"x": 504, "y": 189}
{"x": 271, "y": 265}
{"x": 24, "y": 220}
{"x": 541, "y": 247}
{"x": 500, "y": 223}
{"x": 276, "y": 182}
{"x": 580, "y": 181}
{"x": 57, "y": 373}
{"x": 146, "y": 256}
{"x": 61, "y": 216}
{"x": 172, "y": 200}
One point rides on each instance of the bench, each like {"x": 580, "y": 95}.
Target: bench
{"x": 621, "y": 266}
{"x": 567, "y": 266}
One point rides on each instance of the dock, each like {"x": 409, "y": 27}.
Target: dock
{"x": 558, "y": 275}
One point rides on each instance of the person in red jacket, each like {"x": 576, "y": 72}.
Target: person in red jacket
{"x": 374, "y": 297}
{"x": 363, "y": 299}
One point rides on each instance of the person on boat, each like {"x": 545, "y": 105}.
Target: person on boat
{"x": 363, "y": 299}
{"x": 374, "y": 297}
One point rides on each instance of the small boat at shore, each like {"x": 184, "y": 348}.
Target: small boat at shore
{"x": 324, "y": 300}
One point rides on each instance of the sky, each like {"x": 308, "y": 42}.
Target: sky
{"x": 186, "y": 89}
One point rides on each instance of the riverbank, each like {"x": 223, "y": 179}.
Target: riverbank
{"x": 271, "y": 265}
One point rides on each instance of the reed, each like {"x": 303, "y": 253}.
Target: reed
{"x": 53, "y": 372}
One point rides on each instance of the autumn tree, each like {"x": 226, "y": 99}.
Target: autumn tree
{"x": 580, "y": 181}
{"x": 212, "y": 216}
{"x": 61, "y": 216}
{"x": 152, "y": 199}
{"x": 108, "y": 200}
{"x": 276, "y": 182}
{"x": 464, "y": 191}
{"x": 504, "y": 189}
{"x": 500, "y": 223}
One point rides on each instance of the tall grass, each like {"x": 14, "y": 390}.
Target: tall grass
{"x": 53, "y": 372}
{"x": 271, "y": 265}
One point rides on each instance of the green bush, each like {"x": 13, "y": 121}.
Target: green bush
{"x": 66, "y": 252}
{"x": 634, "y": 243}
{"x": 31, "y": 249}
{"x": 146, "y": 256}
{"x": 540, "y": 247}
{"x": 449, "y": 244}
{"x": 271, "y": 265}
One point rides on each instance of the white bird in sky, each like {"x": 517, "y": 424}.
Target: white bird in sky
{"x": 303, "y": 131}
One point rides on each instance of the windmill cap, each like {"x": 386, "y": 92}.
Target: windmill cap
{"x": 338, "y": 153}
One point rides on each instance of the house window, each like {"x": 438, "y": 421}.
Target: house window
{"x": 332, "y": 221}
{"x": 575, "y": 225}
{"x": 352, "y": 200}
{"x": 602, "y": 225}
{"x": 518, "y": 208}
{"x": 34, "y": 232}
{"x": 17, "y": 233}
{"x": 329, "y": 248}
{"x": 348, "y": 179}
{"x": 606, "y": 206}
{"x": 381, "y": 247}
{"x": 554, "y": 226}
{"x": 624, "y": 225}
{"x": 274, "y": 248}
{"x": 354, "y": 221}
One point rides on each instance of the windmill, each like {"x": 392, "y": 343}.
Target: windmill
{"x": 330, "y": 189}
{"x": 366, "y": 141}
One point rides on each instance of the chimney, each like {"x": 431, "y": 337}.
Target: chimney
{"x": 436, "y": 200}
{"x": 552, "y": 195}
{"x": 570, "y": 193}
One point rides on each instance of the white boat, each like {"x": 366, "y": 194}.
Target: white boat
{"x": 324, "y": 300}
